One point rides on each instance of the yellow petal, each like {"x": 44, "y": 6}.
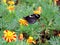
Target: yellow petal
{"x": 11, "y": 2}
{"x": 38, "y": 11}
{"x": 4, "y": 1}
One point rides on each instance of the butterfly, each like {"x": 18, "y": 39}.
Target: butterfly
{"x": 31, "y": 19}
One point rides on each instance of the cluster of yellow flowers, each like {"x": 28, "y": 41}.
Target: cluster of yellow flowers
{"x": 10, "y": 4}
{"x": 25, "y": 22}
{"x": 29, "y": 40}
{"x": 10, "y": 36}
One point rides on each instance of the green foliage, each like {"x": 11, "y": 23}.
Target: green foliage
{"x": 55, "y": 41}
{"x": 50, "y": 14}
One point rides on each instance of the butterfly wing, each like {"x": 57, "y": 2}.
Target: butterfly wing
{"x": 32, "y": 18}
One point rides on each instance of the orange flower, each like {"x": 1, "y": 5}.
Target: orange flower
{"x": 38, "y": 11}
{"x": 20, "y": 37}
{"x": 10, "y": 8}
{"x": 23, "y": 22}
{"x": 59, "y": 34}
{"x": 11, "y": 2}
{"x": 30, "y": 39}
{"x": 9, "y": 36}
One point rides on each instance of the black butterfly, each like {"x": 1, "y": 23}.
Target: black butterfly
{"x": 32, "y": 18}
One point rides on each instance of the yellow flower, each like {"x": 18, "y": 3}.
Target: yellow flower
{"x": 9, "y": 36}
{"x": 30, "y": 39}
{"x": 11, "y": 2}
{"x": 20, "y": 37}
{"x": 23, "y": 22}
{"x": 38, "y": 11}
{"x": 10, "y": 8}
